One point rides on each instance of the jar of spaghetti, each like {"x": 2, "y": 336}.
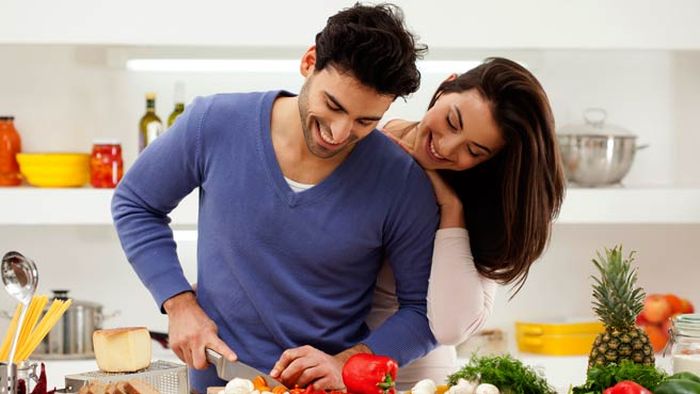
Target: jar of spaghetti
{"x": 106, "y": 164}
{"x": 685, "y": 343}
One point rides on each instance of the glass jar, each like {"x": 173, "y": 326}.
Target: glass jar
{"x": 685, "y": 343}
{"x": 10, "y": 146}
{"x": 106, "y": 164}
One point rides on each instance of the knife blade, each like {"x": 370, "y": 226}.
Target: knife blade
{"x": 228, "y": 370}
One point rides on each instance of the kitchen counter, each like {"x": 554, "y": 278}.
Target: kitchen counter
{"x": 561, "y": 372}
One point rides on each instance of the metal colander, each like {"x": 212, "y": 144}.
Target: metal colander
{"x": 164, "y": 376}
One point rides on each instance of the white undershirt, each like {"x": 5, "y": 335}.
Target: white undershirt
{"x": 298, "y": 187}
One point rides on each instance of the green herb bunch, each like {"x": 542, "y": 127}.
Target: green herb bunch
{"x": 600, "y": 378}
{"x": 508, "y": 374}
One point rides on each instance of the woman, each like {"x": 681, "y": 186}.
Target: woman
{"x": 489, "y": 147}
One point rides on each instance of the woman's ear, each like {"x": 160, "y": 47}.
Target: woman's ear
{"x": 308, "y": 61}
{"x": 452, "y": 77}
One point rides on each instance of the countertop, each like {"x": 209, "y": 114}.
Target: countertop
{"x": 561, "y": 372}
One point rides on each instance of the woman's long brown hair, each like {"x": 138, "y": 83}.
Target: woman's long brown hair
{"x": 510, "y": 200}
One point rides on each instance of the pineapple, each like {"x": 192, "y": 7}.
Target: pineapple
{"x": 617, "y": 302}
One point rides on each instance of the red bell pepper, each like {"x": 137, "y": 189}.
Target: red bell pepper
{"x": 365, "y": 373}
{"x": 627, "y": 387}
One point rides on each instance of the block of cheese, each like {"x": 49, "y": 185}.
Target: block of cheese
{"x": 122, "y": 349}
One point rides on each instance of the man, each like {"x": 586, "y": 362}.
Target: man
{"x": 285, "y": 277}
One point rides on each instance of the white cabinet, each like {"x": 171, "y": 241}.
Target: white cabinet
{"x": 636, "y": 24}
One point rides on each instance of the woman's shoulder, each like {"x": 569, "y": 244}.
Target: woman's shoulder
{"x": 395, "y": 126}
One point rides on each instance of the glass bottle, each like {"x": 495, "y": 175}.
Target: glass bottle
{"x": 179, "y": 98}
{"x": 150, "y": 126}
{"x": 685, "y": 343}
{"x": 10, "y": 145}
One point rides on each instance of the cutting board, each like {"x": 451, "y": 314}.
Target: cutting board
{"x": 214, "y": 389}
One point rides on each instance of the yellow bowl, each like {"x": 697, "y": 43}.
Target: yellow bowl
{"x": 55, "y": 169}
{"x": 559, "y": 339}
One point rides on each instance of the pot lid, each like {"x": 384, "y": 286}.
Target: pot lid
{"x": 595, "y": 125}
{"x": 61, "y": 294}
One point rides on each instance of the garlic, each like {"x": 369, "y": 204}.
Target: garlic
{"x": 462, "y": 387}
{"x": 425, "y": 386}
{"x": 239, "y": 386}
{"x": 486, "y": 388}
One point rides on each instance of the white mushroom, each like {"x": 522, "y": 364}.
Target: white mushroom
{"x": 425, "y": 386}
{"x": 239, "y": 386}
{"x": 463, "y": 387}
{"x": 486, "y": 388}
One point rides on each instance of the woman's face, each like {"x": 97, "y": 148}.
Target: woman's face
{"x": 457, "y": 133}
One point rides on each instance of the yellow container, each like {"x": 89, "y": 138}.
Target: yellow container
{"x": 55, "y": 169}
{"x": 557, "y": 339}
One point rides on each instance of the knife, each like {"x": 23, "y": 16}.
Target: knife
{"x": 228, "y": 370}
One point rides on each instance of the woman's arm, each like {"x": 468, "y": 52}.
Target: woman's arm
{"x": 459, "y": 299}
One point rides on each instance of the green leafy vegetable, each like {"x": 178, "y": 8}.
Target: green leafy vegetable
{"x": 601, "y": 377}
{"x": 506, "y": 373}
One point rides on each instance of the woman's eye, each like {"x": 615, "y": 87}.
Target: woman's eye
{"x": 472, "y": 152}
{"x": 452, "y": 125}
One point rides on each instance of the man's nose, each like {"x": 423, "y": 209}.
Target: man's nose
{"x": 341, "y": 128}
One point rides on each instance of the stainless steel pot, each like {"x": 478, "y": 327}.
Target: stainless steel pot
{"x": 597, "y": 154}
{"x": 71, "y": 337}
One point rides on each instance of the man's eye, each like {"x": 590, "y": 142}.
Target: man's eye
{"x": 332, "y": 107}
{"x": 364, "y": 122}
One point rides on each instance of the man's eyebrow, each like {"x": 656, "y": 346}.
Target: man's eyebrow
{"x": 340, "y": 106}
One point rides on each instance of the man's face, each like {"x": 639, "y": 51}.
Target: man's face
{"x": 337, "y": 111}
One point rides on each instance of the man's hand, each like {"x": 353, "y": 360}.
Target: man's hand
{"x": 190, "y": 331}
{"x": 307, "y": 365}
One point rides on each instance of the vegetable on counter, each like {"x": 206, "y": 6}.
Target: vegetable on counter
{"x": 680, "y": 383}
{"x": 506, "y": 373}
{"x": 602, "y": 377}
{"x": 627, "y": 387}
{"x": 365, "y": 373}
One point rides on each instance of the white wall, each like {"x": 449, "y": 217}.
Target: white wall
{"x": 63, "y": 97}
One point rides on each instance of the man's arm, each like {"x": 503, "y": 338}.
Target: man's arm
{"x": 409, "y": 235}
{"x": 164, "y": 173}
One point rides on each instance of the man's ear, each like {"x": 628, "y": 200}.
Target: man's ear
{"x": 452, "y": 77}
{"x": 308, "y": 61}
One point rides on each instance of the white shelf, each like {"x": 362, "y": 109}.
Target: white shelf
{"x": 87, "y": 206}
{"x": 80, "y": 206}
{"x": 631, "y": 206}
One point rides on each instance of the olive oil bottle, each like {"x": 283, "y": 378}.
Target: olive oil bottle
{"x": 179, "y": 103}
{"x": 150, "y": 126}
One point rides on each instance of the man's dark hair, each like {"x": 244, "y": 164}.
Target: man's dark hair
{"x": 373, "y": 44}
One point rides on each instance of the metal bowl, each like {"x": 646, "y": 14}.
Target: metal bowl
{"x": 597, "y": 160}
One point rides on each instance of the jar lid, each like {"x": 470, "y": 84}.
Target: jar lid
{"x": 106, "y": 141}
{"x": 687, "y": 324}
{"x": 595, "y": 125}
{"x": 7, "y": 117}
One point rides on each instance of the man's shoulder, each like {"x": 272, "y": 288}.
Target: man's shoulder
{"x": 393, "y": 161}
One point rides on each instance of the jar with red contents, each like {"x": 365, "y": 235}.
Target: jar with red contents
{"x": 106, "y": 164}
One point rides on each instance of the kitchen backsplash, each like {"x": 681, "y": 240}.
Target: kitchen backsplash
{"x": 88, "y": 261}
{"x": 64, "y": 97}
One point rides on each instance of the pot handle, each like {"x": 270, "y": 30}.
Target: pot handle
{"x": 642, "y": 146}
{"x": 595, "y": 116}
{"x": 101, "y": 317}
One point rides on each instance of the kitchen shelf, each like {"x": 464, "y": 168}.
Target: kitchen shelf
{"x": 80, "y": 206}
{"x": 88, "y": 206}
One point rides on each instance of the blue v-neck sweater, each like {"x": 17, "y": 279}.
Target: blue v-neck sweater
{"x": 279, "y": 269}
